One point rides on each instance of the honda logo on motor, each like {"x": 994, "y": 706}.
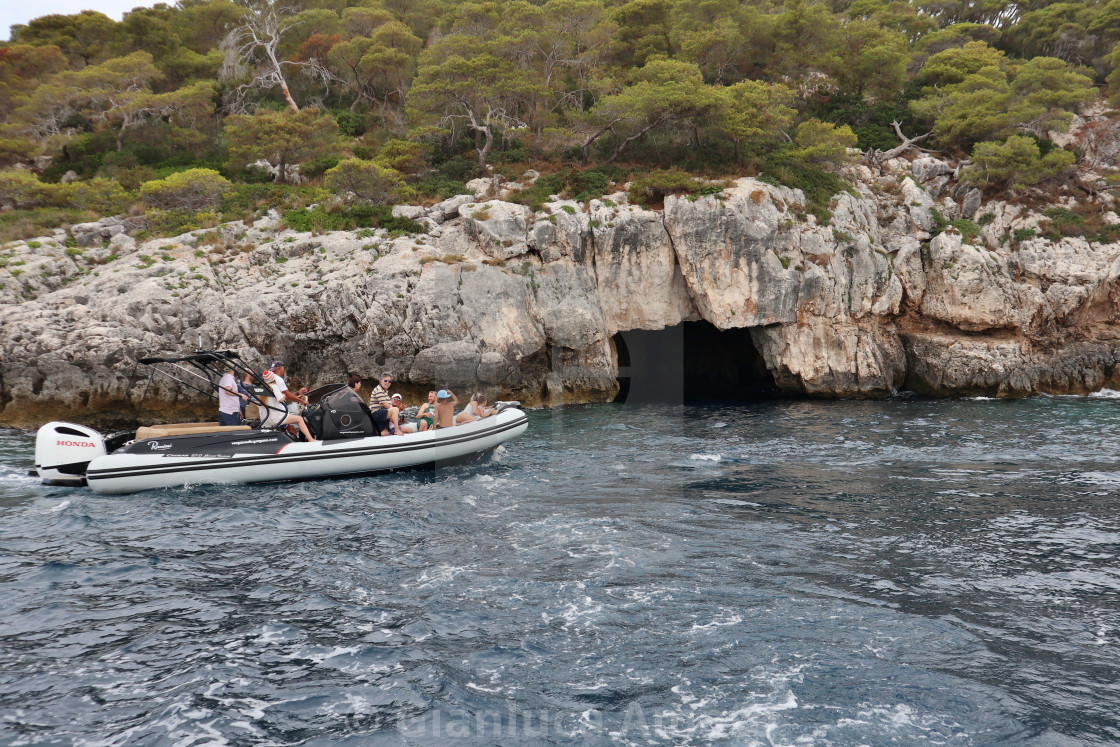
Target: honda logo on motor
{"x": 85, "y": 444}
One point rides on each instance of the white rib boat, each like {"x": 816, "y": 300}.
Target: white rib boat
{"x": 204, "y": 453}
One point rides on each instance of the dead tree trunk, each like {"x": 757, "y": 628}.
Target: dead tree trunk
{"x": 876, "y": 157}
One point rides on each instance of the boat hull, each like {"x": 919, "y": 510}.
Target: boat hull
{"x": 131, "y": 472}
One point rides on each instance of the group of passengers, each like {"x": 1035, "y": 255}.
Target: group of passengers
{"x": 437, "y": 412}
{"x": 282, "y": 408}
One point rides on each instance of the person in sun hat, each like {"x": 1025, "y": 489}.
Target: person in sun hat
{"x": 445, "y": 408}
{"x": 277, "y": 413}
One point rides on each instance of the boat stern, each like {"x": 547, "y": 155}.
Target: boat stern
{"x": 63, "y": 451}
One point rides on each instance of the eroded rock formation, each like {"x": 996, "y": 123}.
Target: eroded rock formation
{"x": 527, "y": 303}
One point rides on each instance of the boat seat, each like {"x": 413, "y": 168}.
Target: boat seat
{"x": 185, "y": 429}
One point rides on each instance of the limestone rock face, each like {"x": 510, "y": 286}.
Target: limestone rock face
{"x": 498, "y": 229}
{"x": 807, "y": 292}
{"x": 887, "y": 295}
{"x": 821, "y": 357}
{"x": 637, "y": 278}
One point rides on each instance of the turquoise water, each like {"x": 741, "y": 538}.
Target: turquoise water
{"x": 827, "y": 573}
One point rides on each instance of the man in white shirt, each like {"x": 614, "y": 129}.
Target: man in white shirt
{"x": 229, "y": 399}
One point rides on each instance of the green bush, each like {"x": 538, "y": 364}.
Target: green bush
{"x": 13, "y": 150}
{"x": 402, "y": 155}
{"x": 254, "y": 174}
{"x": 23, "y": 190}
{"x": 83, "y": 155}
{"x": 655, "y": 186}
{"x": 571, "y": 184}
{"x": 194, "y": 189}
{"x": 969, "y": 230}
{"x": 175, "y": 222}
{"x": 351, "y": 124}
{"x": 782, "y": 168}
{"x": 347, "y": 218}
{"x": 367, "y": 180}
{"x": 516, "y": 153}
{"x": 823, "y": 142}
{"x": 459, "y": 168}
{"x": 439, "y": 186}
{"x": 1016, "y": 163}
{"x": 318, "y": 166}
{"x": 26, "y": 224}
{"x": 100, "y": 195}
{"x": 244, "y": 199}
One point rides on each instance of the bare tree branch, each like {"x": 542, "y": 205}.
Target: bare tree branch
{"x": 877, "y": 157}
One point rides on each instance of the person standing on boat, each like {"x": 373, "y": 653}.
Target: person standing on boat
{"x": 229, "y": 399}
{"x": 379, "y": 397}
{"x": 277, "y": 412}
{"x": 245, "y": 388}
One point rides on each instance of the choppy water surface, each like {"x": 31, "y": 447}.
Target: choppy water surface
{"x": 783, "y": 573}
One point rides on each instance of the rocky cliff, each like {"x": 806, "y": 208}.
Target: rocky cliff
{"x": 884, "y": 297}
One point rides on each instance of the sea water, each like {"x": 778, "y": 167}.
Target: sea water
{"x": 828, "y": 573}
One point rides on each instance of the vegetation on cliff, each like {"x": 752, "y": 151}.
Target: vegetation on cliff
{"x": 198, "y": 106}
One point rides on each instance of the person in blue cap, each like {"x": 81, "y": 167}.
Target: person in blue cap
{"x": 445, "y": 408}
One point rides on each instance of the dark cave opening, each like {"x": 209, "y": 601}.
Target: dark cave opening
{"x": 691, "y": 363}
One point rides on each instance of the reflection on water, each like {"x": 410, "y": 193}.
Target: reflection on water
{"x": 793, "y": 572}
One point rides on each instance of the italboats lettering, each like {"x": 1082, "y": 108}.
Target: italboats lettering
{"x": 84, "y": 444}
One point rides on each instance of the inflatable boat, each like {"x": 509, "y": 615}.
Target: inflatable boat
{"x": 162, "y": 456}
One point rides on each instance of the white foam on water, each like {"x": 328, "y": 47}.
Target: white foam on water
{"x": 1106, "y": 394}
{"x": 1100, "y": 478}
{"x": 438, "y": 575}
{"x": 750, "y": 723}
{"x": 722, "y": 621}
{"x": 581, "y": 614}
{"x": 733, "y": 502}
{"x": 8, "y": 475}
{"x": 705, "y": 457}
{"x": 59, "y": 507}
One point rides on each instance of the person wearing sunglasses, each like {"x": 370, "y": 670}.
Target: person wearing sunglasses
{"x": 379, "y": 398}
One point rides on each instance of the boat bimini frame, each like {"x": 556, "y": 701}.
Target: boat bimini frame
{"x": 63, "y": 451}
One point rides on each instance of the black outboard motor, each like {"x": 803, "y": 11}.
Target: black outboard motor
{"x": 341, "y": 414}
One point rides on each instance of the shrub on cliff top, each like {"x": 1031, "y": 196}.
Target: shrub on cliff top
{"x": 367, "y": 180}
{"x": 26, "y": 224}
{"x": 1016, "y": 163}
{"x": 102, "y": 196}
{"x": 782, "y": 168}
{"x": 571, "y": 184}
{"x": 823, "y": 142}
{"x": 22, "y": 190}
{"x": 654, "y": 187}
{"x": 194, "y": 189}
{"x": 343, "y": 218}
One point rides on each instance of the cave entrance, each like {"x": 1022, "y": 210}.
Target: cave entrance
{"x": 692, "y": 362}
